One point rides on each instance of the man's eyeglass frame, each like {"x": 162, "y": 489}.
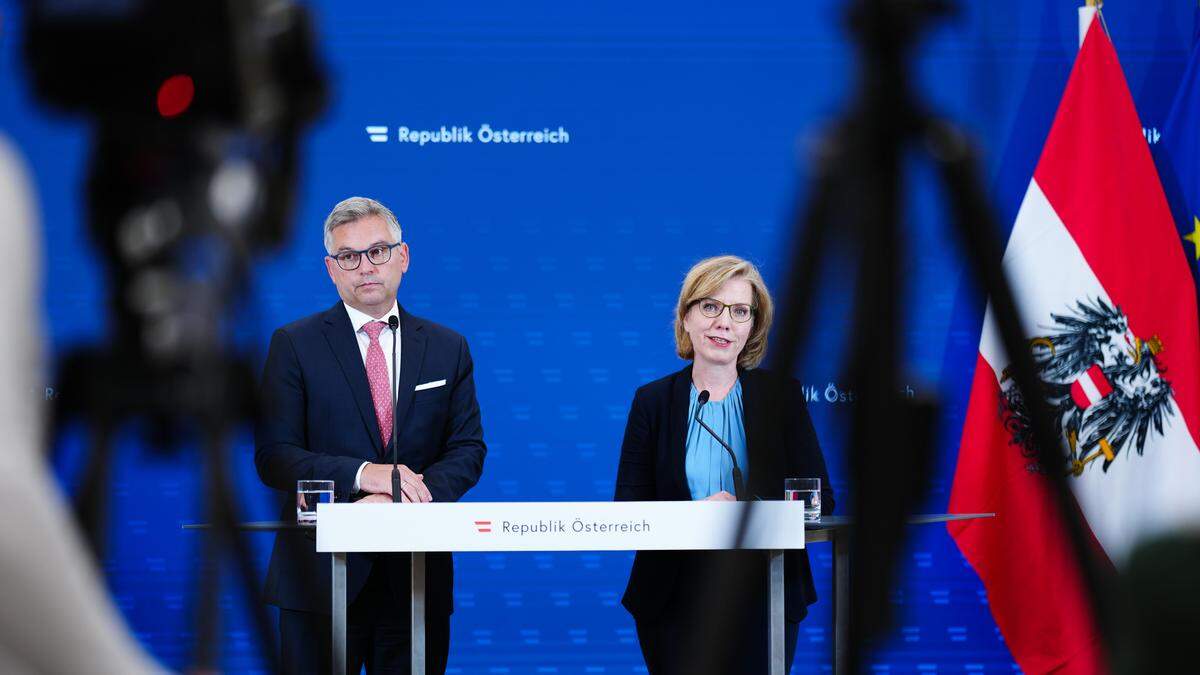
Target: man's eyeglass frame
{"x": 358, "y": 256}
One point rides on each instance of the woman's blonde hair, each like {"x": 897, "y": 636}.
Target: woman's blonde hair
{"x": 702, "y": 281}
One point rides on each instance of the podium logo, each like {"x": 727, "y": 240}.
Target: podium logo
{"x": 483, "y": 525}
{"x": 377, "y": 134}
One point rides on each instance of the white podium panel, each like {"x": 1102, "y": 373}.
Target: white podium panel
{"x": 551, "y": 526}
{"x": 555, "y": 526}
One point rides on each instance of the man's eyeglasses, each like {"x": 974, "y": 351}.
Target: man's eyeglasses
{"x": 377, "y": 254}
{"x": 711, "y": 308}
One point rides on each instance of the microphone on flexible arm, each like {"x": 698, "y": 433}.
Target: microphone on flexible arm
{"x": 397, "y": 493}
{"x": 738, "y": 489}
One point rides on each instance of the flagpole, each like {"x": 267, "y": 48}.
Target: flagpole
{"x": 1086, "y": 13}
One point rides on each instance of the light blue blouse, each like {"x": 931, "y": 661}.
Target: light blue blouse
{"x": 707, "y": 464}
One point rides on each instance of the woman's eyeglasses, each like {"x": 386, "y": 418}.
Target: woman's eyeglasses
{"x": 711, "y": 308}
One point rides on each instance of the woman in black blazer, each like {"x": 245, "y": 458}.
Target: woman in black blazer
{"x": 721, "y": 324}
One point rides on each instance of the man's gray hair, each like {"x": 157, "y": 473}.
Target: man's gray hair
{"x": 357, "y": 208}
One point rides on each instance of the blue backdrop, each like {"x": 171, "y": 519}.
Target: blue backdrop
{"x": 688, "y": 125}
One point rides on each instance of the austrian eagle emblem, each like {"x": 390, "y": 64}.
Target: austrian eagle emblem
{"x": 1104, "y": 386}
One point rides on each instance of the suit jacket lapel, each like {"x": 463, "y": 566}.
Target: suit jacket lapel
{"x": 412, "y": 355}
{"x": 677, "y": 426}
{"x": 339, "y": 332}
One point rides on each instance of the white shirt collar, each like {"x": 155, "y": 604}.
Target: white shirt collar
{"x": 359, "y": 319}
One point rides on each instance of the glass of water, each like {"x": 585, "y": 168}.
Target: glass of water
{"x": 807, "y": 490}
{"x": 309, "y": 493}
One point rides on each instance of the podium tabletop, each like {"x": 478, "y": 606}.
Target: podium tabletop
{"x": 826, "y": 523}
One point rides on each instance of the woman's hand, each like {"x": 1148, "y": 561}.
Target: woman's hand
{"x": 721, "y": 496}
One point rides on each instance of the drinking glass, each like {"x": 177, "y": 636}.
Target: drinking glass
{"x": 807, "y": 490}
{"x": 309, "y": 493}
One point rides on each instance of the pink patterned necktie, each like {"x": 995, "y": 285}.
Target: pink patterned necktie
{"x": 377, "y": 375}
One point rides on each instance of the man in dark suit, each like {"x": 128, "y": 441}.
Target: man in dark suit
{"x": 327, "y": 415}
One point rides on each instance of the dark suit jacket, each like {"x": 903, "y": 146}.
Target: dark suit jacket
{"x": 780, "y": 444}
{"x": 318, "y": 422}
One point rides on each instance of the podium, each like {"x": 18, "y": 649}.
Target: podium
{"x": 403, "y": 528}
{"x": 551, "y": 526}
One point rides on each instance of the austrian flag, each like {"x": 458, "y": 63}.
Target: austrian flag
{"x": 1109, "y": 309}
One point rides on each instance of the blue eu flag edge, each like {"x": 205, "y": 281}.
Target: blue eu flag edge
{"x": 1181, "y": 143}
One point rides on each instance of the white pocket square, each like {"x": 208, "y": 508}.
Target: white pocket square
{"x": 430, "y": 385}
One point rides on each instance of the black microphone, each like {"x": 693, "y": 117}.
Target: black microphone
{"x": 738, "y": 488}
{"x": 397, "y": 493}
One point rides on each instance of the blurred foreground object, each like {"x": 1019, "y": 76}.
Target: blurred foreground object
{"x": 857, "y": 204}
{"x": 55, "y": 614}
{"x": 1160, "y": 605}
{"x": 197, "y": 109}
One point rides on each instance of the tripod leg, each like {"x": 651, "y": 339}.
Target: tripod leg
{"x": 224, "y": 537}
{"x": 207, "y": 607}
{"x": 975, "y": 223}
{"x": 713, "y": 652}
{"x": 91, "y": 502}
{"x": 814, "y": 227}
